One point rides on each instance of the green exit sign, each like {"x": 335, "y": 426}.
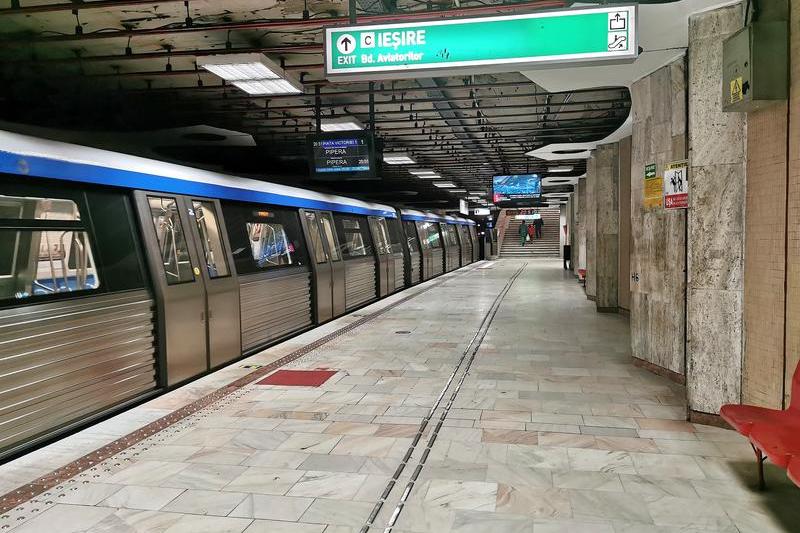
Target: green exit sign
{"x": 484, "y": 44}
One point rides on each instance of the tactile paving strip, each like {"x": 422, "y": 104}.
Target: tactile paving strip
{"x": 91, "y": 460}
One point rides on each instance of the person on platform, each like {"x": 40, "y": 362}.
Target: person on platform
{"x": 531, "y": 231}
{"x": 523, "y": 232}
{"x": 537, "y": 225}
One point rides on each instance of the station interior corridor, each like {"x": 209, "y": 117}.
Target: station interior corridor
{"x": 553, "y": 430}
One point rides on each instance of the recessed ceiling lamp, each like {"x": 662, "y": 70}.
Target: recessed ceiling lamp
{"x": 444, "y": 184}
{"x": 458, "y": 190}
{"x": 560, "y": 169}
{"x": 421, "y": 171}
{"x": 252, "y": 73}
{"x": 398, "y": 158}
{"x": 477, "y": 193}
{"x": 343, "y": 123}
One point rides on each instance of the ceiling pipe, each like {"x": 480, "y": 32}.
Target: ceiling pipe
{"x": 293, "y": 23}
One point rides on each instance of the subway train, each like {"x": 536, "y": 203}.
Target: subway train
{"x": 121, "y": 277}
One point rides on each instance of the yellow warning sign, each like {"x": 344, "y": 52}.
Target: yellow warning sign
{"x": 654, "y": 192}
{"x": 736, "y": 90}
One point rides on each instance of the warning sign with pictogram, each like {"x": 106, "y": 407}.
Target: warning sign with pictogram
{"x": 676, "y": 185}
{"x": 736, "y": 90}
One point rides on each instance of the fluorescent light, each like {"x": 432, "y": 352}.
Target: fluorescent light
{"x": 259, "y": 87}
{"x": 430, "y": 177}
{"x": 458, "y": 190}
{"x": 444, "y": 184}
{"x": 477, "y": 193}
{"x": 398, "y": 158}
{"x": 560, "y": 169}
{"x": 343, "y": 123}
{"x": 252, "y": 73}
{"x": 422, "y": 171}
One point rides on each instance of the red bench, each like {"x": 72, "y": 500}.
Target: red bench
{"x": 774, "y": 434}
{"x": 582, "y": 276}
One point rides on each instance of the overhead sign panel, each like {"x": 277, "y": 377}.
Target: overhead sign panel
{"x": 484, "y": 44}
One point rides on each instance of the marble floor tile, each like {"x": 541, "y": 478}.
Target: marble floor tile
{"x": 259, "y": 480}
{"x": 205, "y": 502}
{"x": 208, "y": 524}
{"x": 535, "y": 502}
{"x": 269, "y": 507}
{"x": 337, "y": 512}
{"x": 272, "y": 526}
{"x": 335, "y": 485}
{"x": 462, "y": 495}
{"x": 143, "y": 498}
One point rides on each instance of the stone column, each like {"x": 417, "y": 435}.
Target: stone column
{"x": 716, "y": 220}
{"x": 580, "y": 222}
{"x": 624, "y": 283}
{"x": 607, "y": 226}
{"x": 590, "y": 223}
{"x": 658, "y": 259}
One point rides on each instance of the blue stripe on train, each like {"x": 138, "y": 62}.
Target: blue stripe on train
{"x": 81, "y": 172}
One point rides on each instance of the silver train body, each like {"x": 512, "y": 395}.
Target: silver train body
{"x": 121, "y": 277}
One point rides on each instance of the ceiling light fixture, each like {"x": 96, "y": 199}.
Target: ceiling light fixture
{"x": 444, "y": 184}
{"x": 421, "y": 171}
{"x": 253, "y": 73}
{"x": 458, "y": 190}
{"x": 398, "y": 158}
{"x": 560, "y": 169}
{"x": 343, "y": 123}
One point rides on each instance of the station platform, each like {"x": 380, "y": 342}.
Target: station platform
{"x": 494, "y": 398}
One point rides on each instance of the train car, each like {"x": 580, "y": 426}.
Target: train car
{"x": 122, "y": 276}
{"x": 423, "y": 228}
{"x": 452, "y": 247}
{"x": 466, "y": 241}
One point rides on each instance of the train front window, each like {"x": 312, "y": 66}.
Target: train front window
{"x": 208, "y": 226}
{"x": 44, "y": 248}
{"x": 171, "y": 240}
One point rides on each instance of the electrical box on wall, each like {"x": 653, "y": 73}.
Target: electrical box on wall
{"x": 755, "y": 66}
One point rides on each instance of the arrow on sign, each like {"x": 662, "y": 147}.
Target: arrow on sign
{"x": 346, "y": 42}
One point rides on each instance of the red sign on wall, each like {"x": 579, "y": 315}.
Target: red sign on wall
{"x": 676, "y": 185}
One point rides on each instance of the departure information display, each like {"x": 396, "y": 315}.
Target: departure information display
{"x": 516, "y": 188}
{"x": 348, "y": 155}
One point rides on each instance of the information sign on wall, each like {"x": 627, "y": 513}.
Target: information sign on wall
{"x": 653, "y": 188}
{"x": 676, "y": 185}
{"x": 481, "y": 44}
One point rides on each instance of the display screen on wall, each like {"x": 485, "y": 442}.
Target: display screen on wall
{"x": 345, "y": 155}
{"x": 516, "y": 189}
{"x": 463, "y": 207}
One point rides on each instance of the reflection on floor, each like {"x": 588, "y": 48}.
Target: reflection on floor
{"x": 553, "y": 431}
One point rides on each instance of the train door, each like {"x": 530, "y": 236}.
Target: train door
{"x": 337, "y": 263}
{"x": 383, "y": 253}
{"x": 219, "y": 280}
{"x": 178, "y": 282}
{"x": 326, "y": 262}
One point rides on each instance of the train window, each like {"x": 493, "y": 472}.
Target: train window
{"x": 44, "y": 248}
{"x": 395, "y": 235}
{"x": 353, "y": 235}
{"x": 171, "y": 240}
{"x": 429, "y": 233}
{"x": 449, "y": 234}
{"x": 263, "y": 238}
{"x": 205, "y": 214}
{"x": 411, "y": 236}
{"x": 269, "y": 244}
{"x": 381, "y": 236}
{"x": 316, "y": 238}
{"x": 326, "y": 223}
